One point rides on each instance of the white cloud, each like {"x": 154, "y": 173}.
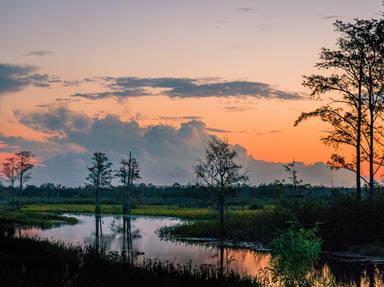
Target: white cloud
{"x": 166, "y": 154}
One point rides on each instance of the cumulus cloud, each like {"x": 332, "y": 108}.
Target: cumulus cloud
{"x": 166, "y": 153}
{"x": 58, "y": 119}
{"x": 187, "y": 88}
{"x": 17, "y": 77}
{"x": 39, "y": 53}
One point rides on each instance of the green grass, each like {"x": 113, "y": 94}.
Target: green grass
{"x": 193, "y": 213}
{"x": 243, "y": 225}
{"x": 259, "y": 226}
{"x": 42, "y": 220}
{"x": 72, "y": 208}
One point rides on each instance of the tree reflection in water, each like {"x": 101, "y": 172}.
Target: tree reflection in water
{"x": 98, "y": 232}
{"x": 127, "y": 249}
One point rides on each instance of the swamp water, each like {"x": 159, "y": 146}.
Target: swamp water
{"x": 138, "y": 235}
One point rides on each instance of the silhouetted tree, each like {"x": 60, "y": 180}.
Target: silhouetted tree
{"x": 10, "y": 174}
{"x": 344, "y": 132}
{"x": 128, "y": 173}
{"x": 291, "y": 169}
{"x": 23, "y": 166}
{"x": 372, "y": 35}
{"x": 357, "y": 78}
{"x": 100, "y": 175}
{"x": 220, "y": 174}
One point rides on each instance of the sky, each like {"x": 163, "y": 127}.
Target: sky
{"x": 159, "y": 77}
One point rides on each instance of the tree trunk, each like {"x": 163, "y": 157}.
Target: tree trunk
{"x": 97, "y": 211}
{"x": 358, "y": 169}
{"x": 20, "y": 188}
{"x": 125, "y": 203}
{"x": 13, "y": 197}
{"x": 359, "y": 122}
{"x": 97, "y": 233}
{"x": 371, "y": 150}
{"x": 129, "y": 201}
{"x": 222, "y": 216}
{"x": 129, "y": 239}
{"x": 221, "y": 258}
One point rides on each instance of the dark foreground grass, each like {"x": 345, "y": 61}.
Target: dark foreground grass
{"x": 31, "y": 262}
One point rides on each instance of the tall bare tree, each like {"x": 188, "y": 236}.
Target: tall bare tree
{"x": 23, "y": 170}
{"x": 344, "y": 132}
{"x": 220, "y": 173}
{"x": 10, "y": 174}
{"x": 291, "y": 169}
{"x": 372, "y": 34}
{"x": 128, "y": 173}
{"x": 354, "y": 67}
{"x": 100, "y": 175}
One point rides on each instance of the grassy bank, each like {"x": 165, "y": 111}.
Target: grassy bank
{"x": 259, "y": 226}
{"x": 194, "y": 213}
{"x": 42, "y": 220}
{"x": 30, "y": 262}
{"x": 342, "y": 222}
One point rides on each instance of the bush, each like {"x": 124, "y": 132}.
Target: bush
{"x": 294, "y": 254}
{"x": 342, "y": 220}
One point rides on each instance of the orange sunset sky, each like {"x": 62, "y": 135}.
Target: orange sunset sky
{"x": 236, "y": 67}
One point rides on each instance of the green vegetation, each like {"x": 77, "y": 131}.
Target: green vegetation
{"x": 42, "y": 220}
{"x": 342, "y": 220}
{"x": 250, "y": 225}
{"x": 196, "y": 213}
{"x": 72, "y": 208}
{"x": 294, "y": 254}
{"x": 66, "y": 265}
{"x": 344, "y": 223}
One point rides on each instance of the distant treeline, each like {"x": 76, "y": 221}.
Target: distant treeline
{"x": 183, "y": 195}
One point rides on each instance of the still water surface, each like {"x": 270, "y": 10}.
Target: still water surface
{"x": 141, "y": 238}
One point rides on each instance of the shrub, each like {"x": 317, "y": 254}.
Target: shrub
{"x": 294, "y": 254}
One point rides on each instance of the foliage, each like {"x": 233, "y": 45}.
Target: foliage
{"x": 41, "y": 220}
{"x": 256, "y": 226}
{"x": 100, "y": 172}
{"x": 294, "y": 253}
{"x": 128, "y": 173}
{"x": 23, "y": 166}
{"x": 220, "y": 174}
{"x": 342, "y": 220}
{"x": 355, "y": 75}
{"x": 100, "y": 175}
{"x": 10, "y": 173}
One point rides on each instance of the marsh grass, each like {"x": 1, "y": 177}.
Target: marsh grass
{"x": 258, "y": 226}
{"x": 193, "y": 213}
{"x": 42, "y": 220}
